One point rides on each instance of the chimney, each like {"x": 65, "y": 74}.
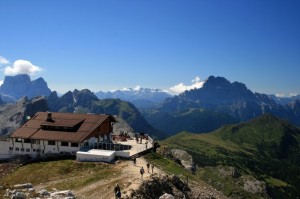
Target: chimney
{"x": 49, "y": 117}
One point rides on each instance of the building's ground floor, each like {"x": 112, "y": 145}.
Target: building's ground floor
{"x": 103, "y": 148}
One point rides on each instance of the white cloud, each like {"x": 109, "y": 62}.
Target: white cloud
{"x": 179, "y": 88}
{"x": 293, "y": 94}
{"x": 1, "y": 82}
{"x": 3, "y": 61}
{"x": 286, "y": 95}
{"x": 124, "y": 89}
{"x": 280, "y": 95}
{"x": 137, "y": 88}
{"x": 22, "y": 67}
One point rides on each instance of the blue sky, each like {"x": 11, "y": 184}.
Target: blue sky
{"x": 108, "y": 45}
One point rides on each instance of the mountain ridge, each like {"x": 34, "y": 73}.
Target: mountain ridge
{"x": 85, "y": 101}
{"x": 219, "y": 95}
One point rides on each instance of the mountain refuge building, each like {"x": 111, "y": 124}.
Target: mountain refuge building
{"x": 57, "y": 133}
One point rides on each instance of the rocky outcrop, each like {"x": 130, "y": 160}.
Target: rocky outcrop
{"x": 179, "y": 156}
{"x": 186, "y": 159}
{"x": 172, "y": 187}
{"x": 23, "y": 191}
{"x": 254, "y": 186}
{"x": 12, "y": 116}
{"x": 16, "y": 87}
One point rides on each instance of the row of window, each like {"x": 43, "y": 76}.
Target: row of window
{"x": 63, "y": 143}
{"x": 23, "y": 150}
{"x": 49, "y": 142}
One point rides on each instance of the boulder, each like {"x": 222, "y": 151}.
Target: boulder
{"x": 166, "y": 196}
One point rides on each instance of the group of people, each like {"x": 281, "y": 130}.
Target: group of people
{"x": 117, "y": 189}
{"x": 142, "y": 171}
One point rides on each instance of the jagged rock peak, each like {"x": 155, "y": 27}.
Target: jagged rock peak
{"x": 18, "y": 86}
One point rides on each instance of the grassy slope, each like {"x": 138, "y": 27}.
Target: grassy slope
{"x": 64, "y": 174}
{"x": 266, "y": 148}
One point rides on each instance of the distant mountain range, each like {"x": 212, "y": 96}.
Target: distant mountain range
{"x": 140, "y": 97}
{"x": 217, "y": 103}
{"x": 285, "y": 100}
{"x": 85, "y": 101}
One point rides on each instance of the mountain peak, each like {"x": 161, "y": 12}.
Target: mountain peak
{"x": 18, "y": 86}
{"x": 218, "y": 90}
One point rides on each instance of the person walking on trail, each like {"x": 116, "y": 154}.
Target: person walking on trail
{"x": 152, "y": 167}
{"x": 117, "y": 191}
{"x": 142, "y": 171}
{"x": 148, "y": 166}
{"x": 134, "y": 161}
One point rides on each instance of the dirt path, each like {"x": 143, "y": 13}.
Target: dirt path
{"x": 128, "y": 176}
{"x": 130, "y": 179}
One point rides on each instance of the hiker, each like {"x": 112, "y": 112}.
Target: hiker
{"x": 117, "y": 191}
{"x": 142, "y": 172}
{"x": 148, "y": 165}
{"x": 134, "y": 161}
{"x": 152, "y": 167}
{"x": 118, "y": 195}
{"x": 146, "y": 143}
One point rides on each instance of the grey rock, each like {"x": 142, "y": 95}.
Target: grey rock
{"x": 44, "y": 192}
{"x": 12, "y": 116}
{"x": 19, "y": 195}
{"x": 185, "y": 159}
{"x": 166, "y": 196}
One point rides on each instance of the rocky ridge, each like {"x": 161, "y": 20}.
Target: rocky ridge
{"x": 12, "y": 116}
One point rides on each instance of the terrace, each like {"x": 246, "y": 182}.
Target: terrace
{"x": 121, "y": 146}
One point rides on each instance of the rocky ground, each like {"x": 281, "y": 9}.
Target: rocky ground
{"x": 150, "y": 186}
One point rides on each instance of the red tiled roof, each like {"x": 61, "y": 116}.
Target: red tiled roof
{"x": 87, "y": 125}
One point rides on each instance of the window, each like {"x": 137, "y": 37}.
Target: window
{"x": 27, "y": 150}
{"x": 74, "y": 144}
{"x": 11, "y": 148}
{"x": 64, "y": 143}
{"x": 18, "y": 140}
{"x": 27, "y": 141}
{"x": 51, "y": 142}
{"x": 17, "y": 149}
{"x": 33, "y": 150}
{"x": 22, "y": 149}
